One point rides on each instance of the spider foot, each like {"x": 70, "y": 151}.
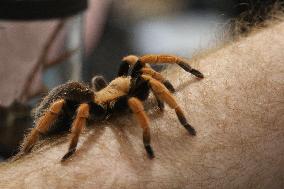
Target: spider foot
{"x": 27, "y": 149}
{"x": 190, "y": 129}
{"x": 29, "y": 142}
{"x": 149, "y": 151}
{"x": 68, "y": 154}
{"x": 197, "y": 73}
{"x": 188, "y": 68}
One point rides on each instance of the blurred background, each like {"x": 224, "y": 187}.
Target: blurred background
{"x": 37, "y": 55}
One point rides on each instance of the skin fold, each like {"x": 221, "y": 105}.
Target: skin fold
{"x": 237, "y": 111}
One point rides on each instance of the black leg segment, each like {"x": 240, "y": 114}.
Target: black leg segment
{"x": 149, "y": 151}
{"x": 188, "y": 68}
{"x": 169, "y": 86}
{"x": 184, "y": 122}
{"x": 136, "y": 70}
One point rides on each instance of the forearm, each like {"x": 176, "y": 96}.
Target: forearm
{"x": 237, "y": 111}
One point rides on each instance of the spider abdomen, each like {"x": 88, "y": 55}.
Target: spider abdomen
{"x": 72, "y": 92}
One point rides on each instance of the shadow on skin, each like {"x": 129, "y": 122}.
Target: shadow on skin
{"x": 123, "y": 134}
{"x": 187, "y": 84}
{"x": 94, "y": 133}
{"x": 44, "y": 143}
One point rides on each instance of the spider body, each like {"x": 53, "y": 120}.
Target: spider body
{"x": 75, "y": 104}
{"x": 73, "y": 94}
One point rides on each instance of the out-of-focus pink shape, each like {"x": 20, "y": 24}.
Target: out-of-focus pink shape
{"x": 22, "y": 43}
{"x": 95, "y": 20}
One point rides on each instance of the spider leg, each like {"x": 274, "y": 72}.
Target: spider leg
{"x": 77, "y": 127}
{"x": 125, "y": 64}
{"x": 98, "y": 83}
{"x": 137, "y": 108}
{"x": 42, "y": 125}
{"x": 159, "y": 77}
{"x": 139, "y": 88}
{"x": 161, "y": 91}
{"x": 123, "y": 69}
{"x": 139, "y": 68}
{"x": 160, "y": 102}
{"x": 157, "y": 59}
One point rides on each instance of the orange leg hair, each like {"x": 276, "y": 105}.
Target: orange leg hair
{"x": 137, "y": 108}
{"x": 162, "y": 92}
{"x": 132, "y": 60}
{"x": 43, "y": 125}
{"x": 159, "y": 77}
{"x": 77, "y": 127}
{"x": 156, "y": 75}
{"x": 170, "y": 59}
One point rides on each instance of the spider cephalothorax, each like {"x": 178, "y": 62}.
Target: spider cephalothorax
{"x": 75, "y": 103}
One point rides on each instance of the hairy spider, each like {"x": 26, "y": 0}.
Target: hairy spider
{"x": 77, "y": 103}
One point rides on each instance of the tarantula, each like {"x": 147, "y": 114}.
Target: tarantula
{"x": 77, "y": 103}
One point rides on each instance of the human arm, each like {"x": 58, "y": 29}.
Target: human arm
{"x": 237, "y": 111}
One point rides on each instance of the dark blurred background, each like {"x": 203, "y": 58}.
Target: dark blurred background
{"x": 181, "y": 27}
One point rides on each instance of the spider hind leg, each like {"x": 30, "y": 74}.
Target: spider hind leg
{"x": 43, "y": 125}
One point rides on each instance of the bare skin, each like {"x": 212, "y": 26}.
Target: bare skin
{"x": 237, "y": 111}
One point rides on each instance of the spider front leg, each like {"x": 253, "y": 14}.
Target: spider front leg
{"x": 161, "y": 91}
{"x": 139, "y": 68}
{"x": 139, "y": 63}
{"x": 125, "y": 64}
{"x": 77, "y": 127}
{"x": 42, "y": 125}
{"x": 156, "y": 75}
{"x": 170, "y": 59}
{"x": 137, "y": 108}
